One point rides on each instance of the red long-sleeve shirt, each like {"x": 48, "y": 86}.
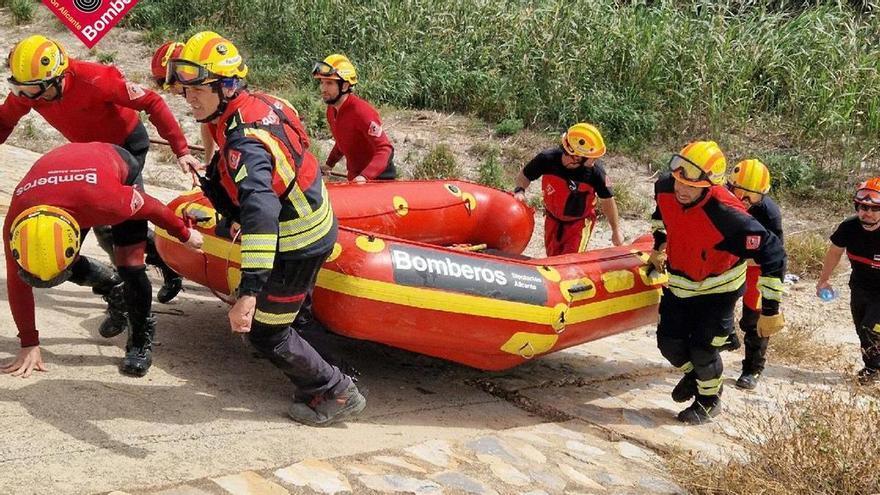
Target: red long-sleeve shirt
{"x": 87, "y": 181}
{"x": 97, "y": 104}
{"x": 359, "y": 136}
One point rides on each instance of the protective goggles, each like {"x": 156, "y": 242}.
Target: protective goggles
{"x": 189, "y": 73}
{"x": 33, "y": 90}
{"x": 744, "y": 194}
{"x": 39, "y": 283}
{"x": 864, "y": 207}
{"x": 867, "y": 196}
{"x": 323, "y": 69}
{"x": 688, "y": 172}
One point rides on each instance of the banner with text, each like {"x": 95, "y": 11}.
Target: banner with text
{"x": 90, "y": 20}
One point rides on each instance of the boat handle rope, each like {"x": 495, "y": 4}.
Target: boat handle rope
{"x": 191, "y": 221}
{"x": 522, "y": 351}
{"x": 408, "y": 208}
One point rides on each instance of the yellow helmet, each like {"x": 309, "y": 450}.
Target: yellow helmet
{"x": 699, "y": 164}
{"x": 208, "y": 57}
{"x": 336, "y": 66}
{"x": 751, "y": 176}
{"x": 583, "y": 140}
{"x": 37, "y": 58}
{"x": 44, "y": 242}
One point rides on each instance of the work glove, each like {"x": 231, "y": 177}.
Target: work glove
{"x": 657, "y": 260}
{"x": 770, "y": 325}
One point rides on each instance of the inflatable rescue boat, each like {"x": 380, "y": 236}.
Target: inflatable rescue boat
{"x": 435, "y": 267}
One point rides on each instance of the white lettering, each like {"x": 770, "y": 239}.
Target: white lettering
{"x": 446, "y": 267}
{"x": 113, "y": 11}
{"x": 401, "y": 260}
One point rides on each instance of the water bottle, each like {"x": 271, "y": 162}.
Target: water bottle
{"x": 827, "y": 294}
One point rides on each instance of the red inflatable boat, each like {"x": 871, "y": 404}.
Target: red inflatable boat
{"x": 434, "y": 267}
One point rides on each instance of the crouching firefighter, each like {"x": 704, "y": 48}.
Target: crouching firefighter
{"x": 703, "y": 236}
{"x": 69, "y": 190}
{"x": 271, "y": 185}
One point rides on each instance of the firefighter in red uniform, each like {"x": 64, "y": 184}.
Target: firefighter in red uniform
{"x": 68, "y": 191}
{"x": 750, "y": 182}
{"x": 88, "y": 102}
{"x": 859, "y": 237}
{"x": 572, "y": 179}
{"x": 702, "y": 236}
{"x": 264, "y": 177}
{"x": 355, "y": 124}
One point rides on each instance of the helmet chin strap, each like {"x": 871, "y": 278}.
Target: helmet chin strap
{"x": 218, "y": 87}
{"x": 339, "y": 83}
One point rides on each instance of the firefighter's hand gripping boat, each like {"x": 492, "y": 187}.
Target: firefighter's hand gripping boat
{"x": 434, "y": 267}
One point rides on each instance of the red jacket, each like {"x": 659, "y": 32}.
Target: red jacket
{"x": 97, "y": 104}
{"x": 86, "y": 180}
{"x": 359, "y": 136}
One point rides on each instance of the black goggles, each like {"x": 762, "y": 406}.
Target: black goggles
{"x": 33, "y": 90}
{"x": 39, "y": 283}
{"x": 323, "y": 69}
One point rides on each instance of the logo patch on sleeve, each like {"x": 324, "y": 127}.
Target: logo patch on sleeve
{"x": 234, "y": 159}
{"x": 137, "y": 201}
{"x": 135, "y": 90}
{"x": 753, "y": 242}
{"x": 375, "y": 129}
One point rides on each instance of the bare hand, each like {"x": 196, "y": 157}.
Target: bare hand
{"x": 195, "y": 240}
{"x": 822, "y": 284}
{"x": 242, "y": 313}
{"x": 616, "y": 238}
{"x": 27, "y": 360}
{"x": 360, "y": 179}
{"x": 190, "y": 165}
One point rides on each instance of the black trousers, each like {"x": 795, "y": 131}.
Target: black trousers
{"x": 273, "y": 336}
{"x": 865, "y": 307}
{"x": 690, "y": 332}
{"x": 756, "y": 347}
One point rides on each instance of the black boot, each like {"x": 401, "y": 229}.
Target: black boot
{"x": 748, "y": 380}
{"x": 139, "y": 349}
{"x": 116, "y": 321}
{"x": 704, "y": 408}
{"x": 686, "y": 388}
{"x": 172, "y": 285}
{"x": 327, "y": 409}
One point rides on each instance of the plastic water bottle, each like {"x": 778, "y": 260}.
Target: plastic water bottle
{"x": 827, "y": 294}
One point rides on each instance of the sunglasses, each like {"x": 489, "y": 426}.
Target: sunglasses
{"x": 323, "y": 69}
{"x": 687, "y": 170}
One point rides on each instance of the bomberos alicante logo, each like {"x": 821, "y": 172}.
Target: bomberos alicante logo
{"x": 87, "y": 6}
{"x": 90, "y": 20}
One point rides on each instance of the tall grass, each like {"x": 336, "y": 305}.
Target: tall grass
{"x": 638, "y": 69}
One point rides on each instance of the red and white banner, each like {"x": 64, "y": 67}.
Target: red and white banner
{"x": 90, "y": 20}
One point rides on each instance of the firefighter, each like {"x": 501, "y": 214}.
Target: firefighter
{"x": 264, "y": 178}
{"x": 68, "y": 191}
{"x": 749, "y": 181}
{"x": 572, "y": 180}
{"x": 702, "y": 237}
{"x": 355, "y": 124}
{"x": 87, "y": 101}
{"x": 859, "y": 237}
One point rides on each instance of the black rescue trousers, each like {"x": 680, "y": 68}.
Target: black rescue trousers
{"x": 89, "y": 272}
{"x": 273, "y": 336}
{"x": 756, "y": 347}
{"x": 865, "y": 307}
{"x": 690, "y": 332}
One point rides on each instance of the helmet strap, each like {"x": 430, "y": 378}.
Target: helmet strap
{"x": 218, "y": 87}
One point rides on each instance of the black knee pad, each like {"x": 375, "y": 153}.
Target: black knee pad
{"x": 707, "y": 362}
{"x": 89, "y": 272}
{"x": 674, "y": 350}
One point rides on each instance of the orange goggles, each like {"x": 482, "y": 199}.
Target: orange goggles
{"x": 688, "y": 172}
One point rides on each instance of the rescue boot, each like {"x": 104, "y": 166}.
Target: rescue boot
{"x": 139, "y": 349}
{"x": 867, "y": 376}
{"x": 324, "y": 410}
{"x": 172, "y": 285}
{"x": 704, "y": 408}
{"x": 686, "y": 388}
{"x": 748, "y": 381}
{"x": 116, "y": 321}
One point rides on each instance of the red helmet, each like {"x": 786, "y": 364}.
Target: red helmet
{"x": 868, "y": 192}
{"x": 159, "y": 64}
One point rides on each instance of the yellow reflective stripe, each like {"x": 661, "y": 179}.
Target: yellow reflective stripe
{"x": 284, "y": 168}
{"x": 771, "y": 288}
{"x": 242, "y": 173}
{"x": 726, "y": 282}
{"x": 876, "y": 328}
{"x": 586, "y": 233}
{"x": 297, "y": 225}
{"x": 687, "y": 367}
{"x": 719, "y": 341}
{"x": 274, "y": 318}
{"x": 709, "y": 387}
{"x": 292, "y": 243}
{"x": 257, "y": 259}
{"x": 298, "y": 199}
{"x": 259, "y": 242}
